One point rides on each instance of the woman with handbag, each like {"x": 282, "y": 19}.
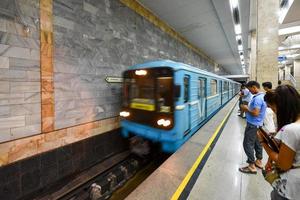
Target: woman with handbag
{"x": 285, "y": 102}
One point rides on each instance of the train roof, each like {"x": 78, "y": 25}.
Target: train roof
{"x": 176, "y": 66}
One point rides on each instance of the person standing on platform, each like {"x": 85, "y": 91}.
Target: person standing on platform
{"x": 285, "y": 102}
{"x": 240, "y": 98}
{"x": 255, "y": 114}
{"x": 269, "y": 118}
{"x": 246, "y": 98}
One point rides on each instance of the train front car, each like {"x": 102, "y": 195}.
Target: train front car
{"x": 148, "y": 109}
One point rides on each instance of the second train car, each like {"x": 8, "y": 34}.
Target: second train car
{"x": 167, "y": 102}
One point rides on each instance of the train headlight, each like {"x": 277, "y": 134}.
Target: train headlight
{"x": 164, "y": 122}
{"x": 141, "y": 72}
{"x": 124, "y": 114}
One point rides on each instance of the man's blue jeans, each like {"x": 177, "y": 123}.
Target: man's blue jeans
{"x": 252, "y": 144}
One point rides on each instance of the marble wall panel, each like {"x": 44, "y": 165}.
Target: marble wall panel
{"x": 19, "y": 28}
{"x": 4, "y": 111}
{"x": 4, "y": 87}
{"x": 5, "y": 134}
{"x": 18, "y": 41}
{"x": 19, "y": 69}
{"x": 27, "y": 130}
{"x": 17, "y": 87}
{"x": 25, "y": 109}
{"x": 19, "y": 52}
{"x": 24, "y": 64}
{"x": 4, "y": 62}
{"x": 12, "y": 122}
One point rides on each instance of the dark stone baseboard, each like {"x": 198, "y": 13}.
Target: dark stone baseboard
{"x": 20, "y": 180}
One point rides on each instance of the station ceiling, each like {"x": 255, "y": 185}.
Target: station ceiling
{"x": 208, "y": 25}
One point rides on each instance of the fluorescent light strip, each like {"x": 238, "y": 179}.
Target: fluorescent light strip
{"x": 240, "y": 47}
{"x": 238, "y": 37}
{"x": 237, "y": 29}
{"x": 233, "y": 4}
{"x": 289, "y": 30}
{"x": 296, "y": 46}
{"x": 293, "y": 55}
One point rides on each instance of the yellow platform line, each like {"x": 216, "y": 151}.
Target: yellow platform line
{"x": 186, "y": 179}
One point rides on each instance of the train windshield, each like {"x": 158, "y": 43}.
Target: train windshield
{"x": 164, "y": 94}
{"x": 140, "y": 93}
{"x": 151, "y": 92}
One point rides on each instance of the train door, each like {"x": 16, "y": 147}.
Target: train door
{"x": 221, "y": 91}
{"x": 186, "y": 100}
{"x": 228, "y": 90}
{"x": 202, "y": 99}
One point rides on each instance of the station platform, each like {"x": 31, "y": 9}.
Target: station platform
{"x": 206, "y": 166}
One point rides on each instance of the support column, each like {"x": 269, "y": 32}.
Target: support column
{"x": 297, "y": 73}
{"x": 267, "y": 41}
{"x": 252, "y": 63}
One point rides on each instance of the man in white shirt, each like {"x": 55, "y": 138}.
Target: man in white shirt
{"x": 246, "y": 98}
{"x": 270, "y": 116}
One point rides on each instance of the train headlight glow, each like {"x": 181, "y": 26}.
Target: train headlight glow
{"x": 124, "y": 114}
{"x": 164, "y": 122}
{"x": 141, "y": 72}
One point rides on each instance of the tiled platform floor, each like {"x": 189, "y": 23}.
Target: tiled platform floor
{"x": 220, "y": 178}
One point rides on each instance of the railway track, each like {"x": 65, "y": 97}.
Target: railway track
{"x": 112, "y": 179}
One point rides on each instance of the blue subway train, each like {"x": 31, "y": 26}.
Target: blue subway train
{"x": 167, "y": 102}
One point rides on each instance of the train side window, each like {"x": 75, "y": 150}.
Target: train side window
{"x": 186, "y": 89}
{"x": 226, "y": 86}
{"x": 201, "y": 92}
{"x": 213, "y": 87}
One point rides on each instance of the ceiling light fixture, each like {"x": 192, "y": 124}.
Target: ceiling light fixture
{"x": 293, "y": 55}
{"x": 240, "y": 47}
{"x": 289, "y": 30}
{"x": 238, "y": 37}
{"x": 296, "y": 46}
{"x": 233, "y": 4}
{"x": 237, "y": 29}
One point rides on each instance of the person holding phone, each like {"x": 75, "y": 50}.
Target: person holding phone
{"x": 285, "y": 102}
{"x": 255, "y": 114}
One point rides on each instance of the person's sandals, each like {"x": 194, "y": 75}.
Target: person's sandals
{"x": 247, "y": 170}
{"x": 258, "y": 166}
